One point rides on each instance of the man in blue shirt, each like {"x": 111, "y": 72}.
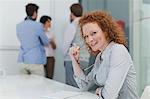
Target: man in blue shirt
{"x": 32, "y": 40}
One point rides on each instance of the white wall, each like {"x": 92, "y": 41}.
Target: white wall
{"x": 144, "y": 45}
{"x": 57, "y": 9}
{"x": 135, "y": 38}
{"x": 12, "y": 12}
{"x": 61, "y": 19}
{"x": 8, "y": 61}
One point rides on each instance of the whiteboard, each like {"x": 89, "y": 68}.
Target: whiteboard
{"x": 12, "y": 12}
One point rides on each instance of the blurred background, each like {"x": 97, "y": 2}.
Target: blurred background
{"x": 132, "y": 15}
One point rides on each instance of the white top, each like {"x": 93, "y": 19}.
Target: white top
{"x": 146, "y": 93}
{"x": 113, "y": 73}
{"x": 68, "y": 37}
{"x": 72, "y": 36}
{"x": 37, "y": 87}
{"x": 50, "y": 52}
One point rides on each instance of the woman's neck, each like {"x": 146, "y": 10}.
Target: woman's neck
{"x": 104, "y": 47}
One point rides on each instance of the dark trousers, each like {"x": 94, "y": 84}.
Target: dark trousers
{"x": 49, "y": 67}
{"x": 69, "y": 74}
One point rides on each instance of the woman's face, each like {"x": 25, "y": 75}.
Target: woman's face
{"x": 94, "y": 36}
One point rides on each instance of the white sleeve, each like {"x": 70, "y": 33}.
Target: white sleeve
{"x": 84, "y": 82}
{"x": 68, "y": 37}
{"x": 52, "y": 35}
{"x": 120, "y": 62}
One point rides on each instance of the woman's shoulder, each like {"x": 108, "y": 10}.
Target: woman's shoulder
{"x": 119, "y": 53}
{"x": 119, "y": 49}
{"x": 117, "y": 46}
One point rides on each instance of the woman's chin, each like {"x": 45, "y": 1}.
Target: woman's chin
{"x": 94, "y": 49}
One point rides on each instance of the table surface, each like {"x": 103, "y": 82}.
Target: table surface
{"x": 35, "y": 87}
{"x": 146, "y": 93}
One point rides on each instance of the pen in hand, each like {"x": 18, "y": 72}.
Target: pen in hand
{"x": 74, "y": 52}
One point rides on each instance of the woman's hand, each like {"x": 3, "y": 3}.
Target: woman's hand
{"x": 74, "y": 53}
{"x": 98, "y": 91}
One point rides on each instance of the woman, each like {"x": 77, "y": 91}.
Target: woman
{"x": 113, "y": 70}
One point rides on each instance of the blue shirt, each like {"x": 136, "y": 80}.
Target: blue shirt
{"x": 32, "y": 40}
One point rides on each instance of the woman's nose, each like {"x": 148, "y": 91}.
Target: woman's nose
{"x": 90, "y": 39}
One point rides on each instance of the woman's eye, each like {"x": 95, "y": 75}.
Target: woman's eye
{"x": 85, "y": 37}
{"x": 94, "y": 33}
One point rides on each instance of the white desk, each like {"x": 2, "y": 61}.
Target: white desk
{"x": 34, "y": 87}
{"x": 146, "y": 93}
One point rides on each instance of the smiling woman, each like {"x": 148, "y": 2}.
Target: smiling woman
{"x": 113, "y": 70}
{"x": 94, "y": 37}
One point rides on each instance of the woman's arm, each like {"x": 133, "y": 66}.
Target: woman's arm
{"x": 74, "y": 54}
{"x": 84, "y": 82}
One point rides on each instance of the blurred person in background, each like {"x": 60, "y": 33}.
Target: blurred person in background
{"x": 32, "y": 41}
{"x": 50, "y": 48}
{"x": 72, "y": 37}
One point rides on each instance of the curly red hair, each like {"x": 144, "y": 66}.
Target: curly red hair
{"x": 107, "y": 23}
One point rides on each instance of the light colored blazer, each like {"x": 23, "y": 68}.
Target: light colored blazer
{"x": 113, "y": 73}
{"x": 72, "y": 36}
{"x": 32, "y": 40}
